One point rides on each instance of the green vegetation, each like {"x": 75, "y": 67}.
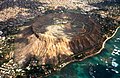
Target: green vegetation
{"x": 8, "y": 30}
{"x": 7, "y": 37}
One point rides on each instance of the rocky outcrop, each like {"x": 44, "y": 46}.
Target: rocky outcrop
{"x": 57, "y": 38}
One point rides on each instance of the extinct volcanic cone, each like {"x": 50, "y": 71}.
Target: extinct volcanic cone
{"x": 59, "y": 38}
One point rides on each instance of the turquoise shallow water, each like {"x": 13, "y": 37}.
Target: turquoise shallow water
{"x": 104, "y": 65}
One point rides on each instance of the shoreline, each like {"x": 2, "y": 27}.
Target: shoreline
{"x": 67, "y": 63}
{"x": 103, "y": 46}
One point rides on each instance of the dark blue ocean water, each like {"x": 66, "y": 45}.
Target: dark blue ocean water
{"x": 104, "y": 65}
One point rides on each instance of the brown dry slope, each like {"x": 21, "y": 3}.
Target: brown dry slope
{"x": 56, "y": 38}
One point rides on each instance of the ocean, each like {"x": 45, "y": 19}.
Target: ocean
{"x": 103, "y": 65}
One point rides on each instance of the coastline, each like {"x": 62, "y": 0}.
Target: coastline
{"x": 103, "y": 45}
{"x": 23, "y": 13}
{"x": 67, "y": 63}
